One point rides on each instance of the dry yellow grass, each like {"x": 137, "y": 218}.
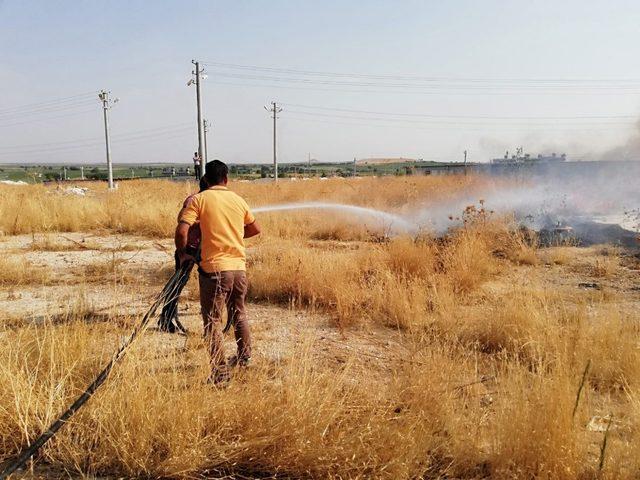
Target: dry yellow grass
{"x": 481, "y": 383}
{"x": 16, "y": 271}
{"x": 607, "y": 266}
{"x": 150, "y": 207}
{"x": 45, "y": 243}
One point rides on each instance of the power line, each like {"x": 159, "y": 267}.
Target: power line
{"x": 437, "y": 126}
{"x": 44, "y": 119}
{"x": 149, "y": 132}
{"x": 444, "y": 122}
{"x": 163, "y": 135}
{"x": 46, "y": 109}
{"x": 415, "y": 78}
{"x": 93, "y": 147}
{"x": 366, "y": 91}
{"x": 488, "y": 88}
{"x": 47, "y": 102}
{"x": 488, "y": 117}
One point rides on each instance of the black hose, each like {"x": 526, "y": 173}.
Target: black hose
{"x": 32, "y": 449}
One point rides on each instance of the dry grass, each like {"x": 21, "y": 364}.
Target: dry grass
{"x": 481, "y": 383}
{"x": 560, "y": 255}
{"x": 606, "y": 266}
{"x": 424, "y": 416}
{"x": 150, "y": 207}
{"x": 16, "y": 271}
{"x": 45, "y": 243}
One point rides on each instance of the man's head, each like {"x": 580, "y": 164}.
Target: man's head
{"x": 217, "y": 173}
{"x": 203, "y": 184}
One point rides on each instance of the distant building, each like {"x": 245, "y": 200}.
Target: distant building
{"x": 384, "y": 161}
{"x": 525, "y": 158}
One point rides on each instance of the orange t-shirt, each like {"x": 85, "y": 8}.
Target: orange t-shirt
{"x": 222, "y": 215}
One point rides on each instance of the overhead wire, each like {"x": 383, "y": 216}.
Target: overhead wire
{"x": 54, "y": 101}
{"x": 46, "y": 109}
{"x": 415, "y": 78}
{"x": 115, "y": 141}
{"x": 440, "y": 88}
{"x": 437, "y": 126}
{"x": 308, "y": 88}
{"x": 446, "y": 122}
{"x": 425, "y": 115}
{"x": 152, "y": 131}
{"x": 53, "y": 117}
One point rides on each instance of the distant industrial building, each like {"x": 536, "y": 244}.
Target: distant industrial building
{"x": 525, "y": 158}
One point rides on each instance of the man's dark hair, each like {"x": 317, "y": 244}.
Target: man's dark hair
{"x": 217, "y": 172}
{"x": 203, "y": 184}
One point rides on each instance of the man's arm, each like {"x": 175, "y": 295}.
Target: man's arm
{"x": 189, "y": 214}
{"x": 182, "y": 231}
{"x": 252, "y": 229}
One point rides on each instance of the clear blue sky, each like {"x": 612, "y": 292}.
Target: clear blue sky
{"x": 493, "y": 75}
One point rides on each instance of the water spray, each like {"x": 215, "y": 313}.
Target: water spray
{"x": 390, "y": 220}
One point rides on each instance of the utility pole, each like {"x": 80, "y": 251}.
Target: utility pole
{"x": 355, "y": 167}
{"x": 81, "y": 172}
{"x": 206, "y": 131}
{"x": 197, "y": 72}
{"x": 106, "y": 105}
{"x": 465, "y": 162}
{"x": 275, "y": 110}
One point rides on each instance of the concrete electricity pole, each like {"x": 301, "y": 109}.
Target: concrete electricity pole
{"x": 206, "y": 131}
{"x": 355, "y": 167}
{"x": 106, "y": 106}
{"x": 198, "y": 74}
{"x": 465, "y": 162}
{"x": 275, "y": 110}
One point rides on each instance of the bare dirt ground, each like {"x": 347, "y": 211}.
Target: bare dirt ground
{"x": 143, "y": 266}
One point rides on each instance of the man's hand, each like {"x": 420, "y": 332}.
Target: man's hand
{"x": 184, "y": 257}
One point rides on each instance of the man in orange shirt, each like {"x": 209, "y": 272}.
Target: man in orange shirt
{"x": 225, "y": 221}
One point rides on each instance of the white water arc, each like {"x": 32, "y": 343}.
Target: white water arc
{"x": 388, "y": 220}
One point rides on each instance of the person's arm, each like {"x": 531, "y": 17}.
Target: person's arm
{"x": 252, "y": 229}
{"x": 188, "y": 216}
{"x": 251, "y": 225}
{"x": 182, "y": 232}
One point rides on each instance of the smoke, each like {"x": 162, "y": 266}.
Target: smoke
{"x": 630, "y": 150}
{"x": 579, "y": 195}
